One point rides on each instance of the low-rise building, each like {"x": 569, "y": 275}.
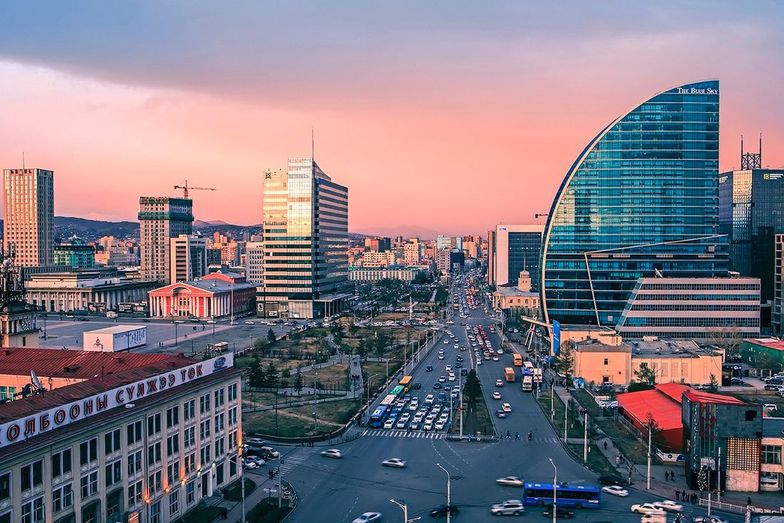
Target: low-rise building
{"x": 763, "y": 349}
{"x": 771, "y": 464}
{"x": 74, "y": 253}
{"x": 519, "y": 298}
{"x": 672, "y": 361}
{"x": 145, "y": 443}
{"x": 365, "y": 274}
{"x": 83, "y": 290}
{"x": 216, "y": 295}
{"x": 660, "y": 405}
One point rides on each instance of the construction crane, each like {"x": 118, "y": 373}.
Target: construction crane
{"x": 185, "y": 188}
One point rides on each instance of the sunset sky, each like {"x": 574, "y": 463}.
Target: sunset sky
{"x": 440, "y": 117}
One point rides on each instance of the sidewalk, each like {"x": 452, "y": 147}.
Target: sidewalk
{"x": 234, "y": 508}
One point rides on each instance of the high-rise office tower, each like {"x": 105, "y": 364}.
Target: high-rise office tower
{"x": 305, "y": 228}
{"x": 28, "y": 203}
{"x": 254, "y": 259}
{"x": 516, "y": 247}
{"x": 751, "y": 213}
{"x": 161, "y": 219}
{"x": 640, "y": 200}
{"x": 188, "y": 254}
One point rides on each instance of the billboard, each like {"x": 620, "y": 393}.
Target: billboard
{"x": 556, "y": 337}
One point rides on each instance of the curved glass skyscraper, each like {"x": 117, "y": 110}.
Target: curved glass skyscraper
{"x": 641, "y": 198}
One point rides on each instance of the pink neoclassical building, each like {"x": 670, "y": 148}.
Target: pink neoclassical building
{"x": 216, "y": 295}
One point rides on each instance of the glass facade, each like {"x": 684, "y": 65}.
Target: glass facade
{"x": 641, "y": 197}
{"x": 524, "y": 249}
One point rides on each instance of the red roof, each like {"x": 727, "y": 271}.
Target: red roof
{"x": 698, "y": 396}
{"x": 663, "y": 404}
{"x": 77, "y": 364}
{"x": 770, "y": 343}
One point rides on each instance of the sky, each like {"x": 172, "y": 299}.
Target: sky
{"x": 441, "y": 117}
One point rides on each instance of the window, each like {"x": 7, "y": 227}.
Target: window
{"x": 89, "y": 484}
{"x": 155, "y": 482}
{"x": 5, "y": 486}
{"x": 88, "y": 451}
{"x": 606, "y": 361}
{"x": 111, "y": 442}
{"x": 204, "y": 404}
{"x": 771, "y": 454}
{"x": 62, "y": 497}
{"x": 154, "y": 424}
{"x": 219, "y": 398}
{"x": 190, "y": 463}
{"x": 155, "y": 512}
{"x": 220, "y": 447}
{"x": 189, "y": 410}
{"x": 232, "y": 416}
{"x": 173, "y": 473}
{"x": 190, "y": 492}
{"x": 134, "y": 463}
{"x": 174, "y": 502}
{"x": 154, "y": 453}
{"x": 232, "y": 439}
{"x": 219, "y": 422}
{"x": 113, "y": 473}
{"x": 205, "y": 429}
{"x": 205, "y": 455}
{"x": 135, "y": 492}
{"x": 189, "y": 437}
{"x": 33, "y": 511}
{"x": 61, "y": 463}
{"x": 172, "y": 445}
{"x": 134, "y": 432}
{"x": 233, "y": 392}
{"x": 172, "y": 417}
{"x": 32, "y": 475}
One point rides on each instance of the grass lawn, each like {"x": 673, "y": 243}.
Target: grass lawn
{"x": 233, "y": 492}
{"x": 575, "y": 423}
{"x": 596, "y": 460}
{"x": 267, "y": 511}
{"x": 298, "y": 421}
{"x": 200, "y": 515}
{"x": 476, "y": 418}
{"x": 631, "y": 447}
{"x": 587, "y": 402}
{"x": 334, "y": 376}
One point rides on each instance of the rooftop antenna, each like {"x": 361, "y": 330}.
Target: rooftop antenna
{"x": 312, "y": 144}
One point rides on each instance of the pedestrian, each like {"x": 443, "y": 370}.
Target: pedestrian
{"x": 517, "y": 435}
{"x": 748, "y": 501}
{"x": 677, "y": 495}
{"x": 605, "y": 445}
{"x": 666, "y": 475}
{"x": 508, "y": 435}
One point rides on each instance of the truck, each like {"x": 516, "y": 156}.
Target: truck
{"x": 509, "y": 374}
{"x": 115, "y": 339}
{"x": 528, "y": 383}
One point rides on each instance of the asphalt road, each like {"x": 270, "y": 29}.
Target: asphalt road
{"x": 340, "y": 490}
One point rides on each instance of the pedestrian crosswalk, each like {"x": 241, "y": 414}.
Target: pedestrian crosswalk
{"x": 291, "y": 462}
{"x": 405, "y": 434}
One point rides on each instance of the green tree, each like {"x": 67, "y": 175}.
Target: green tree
{"x": 472, "y": 390}
{"x": 271, "y": 336}
{"x": 272, "y": 375}
{"x": 257, "y": 377}
{"x": 259, "y": 344}
{"x": 383, "y": 342}
{"x": 285, "y": 373}
{"x": 298, "y": 381}
{"x": 565, "y": 360}
{"x": 645, "y": 375}
{"x": 714, "y": 384}
{"x": 365, "y": 344}
{"x": 336, "y": 329}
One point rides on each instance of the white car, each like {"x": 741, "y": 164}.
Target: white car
{"x": 255, "y": 459}
{"x": 510, "y": 507}
{"x": 646, "y": 508}
{"x": 441, "y": 379}
{"x": 615, "y": 490}
{"x": 368, "y": 517}
{"x": 428, "y": 426}
{"x": 506, "y": 407}
{"x": 451, "y": 377}
{"x": 499, "y": 382}
{"x": 668, "y": 505}
{"x": 510, "y": 481}
{"x": 332, "y": 453}
{"x": 429, "y": 399}
{"x": 496, "y": 395}
{"x": 440, "y": 424}
{"x": 388, "y": 424}
{"x": 394, "y": 462}
{"x": 446, "y": 342}
{"x": 249, "y": 464}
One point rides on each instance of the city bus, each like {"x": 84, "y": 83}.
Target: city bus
{"x": 518, "y": 359}
{"x": 405, "y": 382}
{"x": 389, "y": 399}
{"x": 378, "y": 416}
{"x": 397, "y": 391}
{"x": 528, "y": 368}
{"x": 577, "y": 496}
{"x": 528, "y": 383}
{"x": 509, "y": 374}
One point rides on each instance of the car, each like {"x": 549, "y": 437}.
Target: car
{"x": 394, "y": 462}
{"x": 429, "y": 399}
{"x": 495, "y": 358}
{"x": 401, "y": 423}
{"x": 506, "y": 407}
{"x": 646, "y": 508}
{"x": 437, "y": 385}
{"x": 389, "y": 423}
{"x": 612, "y": 479}
{"x": 439, "y": 425}
{"x": 441, "y": 396}
{"x": 668, "y": 505}
{"x": 737, "y": 381}
{"x": 510, "y": 507}
{"x": 332, "y": 453}
{"x": 500, "y": 413}
{"x": 496, "y": 395}
{"x": 249, "y": 464}
{"x": 452, "y": 377}
{"x": 464, "y": 372}
{"x": 478, "y": 362}
{"x": 269, "y": 453}
{"x": 429, "y": 368}
{"x": 446, "y": 342}
{"x": 415, "y": 424}
{"x": 499, "y": 382}
{"x": 560, "y": 513}
{"x": 510, "y": 481}
{"x": 416, "y": 386}
{"x": 428, "y": 426}
{"x": 653, "y": 518}
{"x": 254, "y": 442}
{"x": 368, "y": 517}
{"x": 442, "y": 379}
{"x": 443, "y": 510}
{"x": 707, "y": 519}
{"x": 440, "y": 356}
{"x": 615, "y": 490}
{"x": 257, "y": 460}
{"x": 770, "y": 386}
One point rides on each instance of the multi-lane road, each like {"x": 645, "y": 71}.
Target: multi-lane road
{"x": 339, "y": 490}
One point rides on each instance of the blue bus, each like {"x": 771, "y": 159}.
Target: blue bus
{"x": 577, "y": 496}
{"x": 378, "y": 417}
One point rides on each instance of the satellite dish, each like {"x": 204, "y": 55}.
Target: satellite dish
{"x": 36, "y": 382}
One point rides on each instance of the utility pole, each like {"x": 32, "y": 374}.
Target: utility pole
{"x": 460, "y": 386}
{"x": 403, "y": 507}
{"x": 648, "y": 473}
{"x": 585, "y": 437}
{"x": 280, "y": 483}
{"x": 242, "y": 483}
{"x": 566, "y": 418}
{"x": 552, "y": 400}
{"x": 555, "y": 491}
{"x": 718, "y": 478}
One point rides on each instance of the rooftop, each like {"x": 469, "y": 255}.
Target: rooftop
{"x": 770, "y": 343}
{"x": 649, "y": 348}
{"x": 514, "y": 291}
{"x": 77, "y": 364}
{"x": 116, "y": 329}
{"x": 662, "y": 403}
{"x": 698, "y": 396}
{"x": 772, "y": 427}
{"x": 592, "y": 345}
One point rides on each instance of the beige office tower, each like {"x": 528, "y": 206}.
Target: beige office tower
{"x": 160, "y": 220}
{"x": 28, "y": 203}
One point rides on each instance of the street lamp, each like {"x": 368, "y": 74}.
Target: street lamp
{"x": 448, "y": 494}
{"x": 555, "y": 485}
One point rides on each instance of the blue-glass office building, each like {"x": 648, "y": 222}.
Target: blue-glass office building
{"x": 642, "y": 197}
